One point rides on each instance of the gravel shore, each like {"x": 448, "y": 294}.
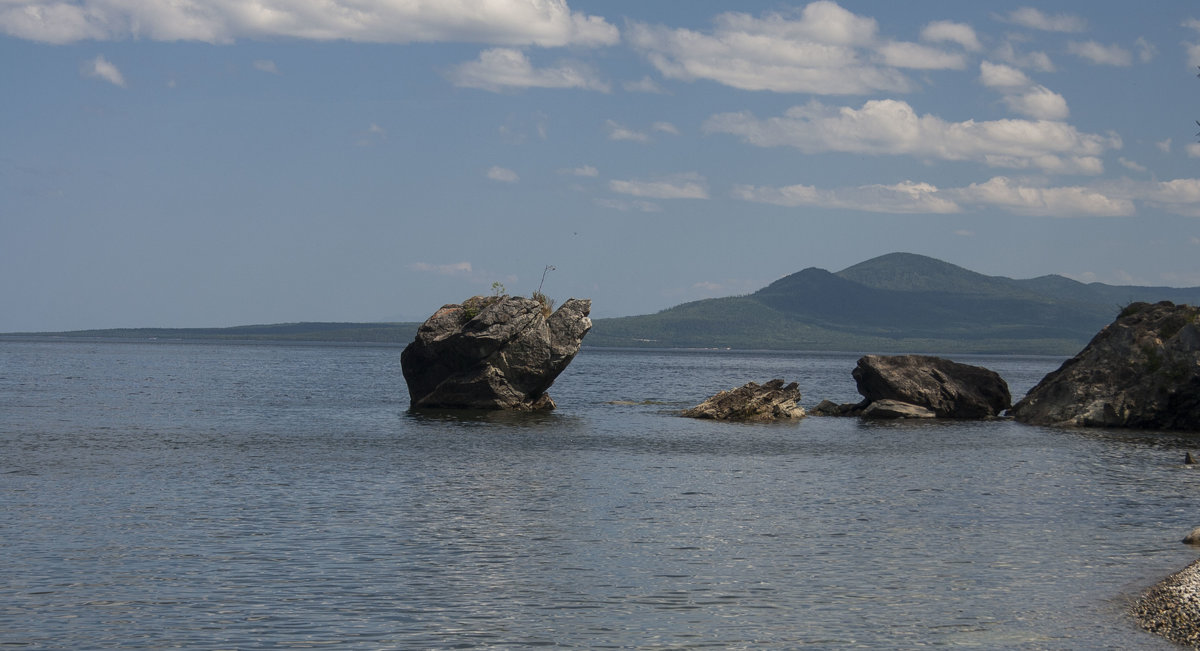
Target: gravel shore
{"x": 1172, "y": 607}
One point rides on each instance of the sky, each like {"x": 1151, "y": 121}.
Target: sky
{"x": 214, "y": 163}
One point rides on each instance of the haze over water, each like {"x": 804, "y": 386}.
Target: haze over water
{"x": 270, "y": 496}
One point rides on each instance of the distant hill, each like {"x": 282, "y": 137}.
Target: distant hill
{"x": 386, "y": 333}
{"x": 898, "y": 302}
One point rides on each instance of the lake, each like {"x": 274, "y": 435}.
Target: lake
{"x": 217, "y": 495}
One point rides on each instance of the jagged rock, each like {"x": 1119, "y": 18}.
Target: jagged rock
{"x": 1141, "y": 371}
{"x": 888, "y": 409}
{"x": 493, "y": 353}
{"x": 947, "y": 389}
{"x": 752, "y": 402}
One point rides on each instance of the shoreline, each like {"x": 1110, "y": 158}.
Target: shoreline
{"x": 1171, "y": 608}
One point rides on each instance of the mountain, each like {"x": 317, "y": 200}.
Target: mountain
{"x": 898, "y": 302}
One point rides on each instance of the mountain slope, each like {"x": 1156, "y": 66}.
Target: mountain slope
{"x": 898, "y": 302}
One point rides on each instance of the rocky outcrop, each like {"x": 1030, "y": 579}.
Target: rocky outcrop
{"x": 1141, "y": 371}
{"x": 752, "y": 402}
{"x": 937, "y": 387}
{"x": 493, "y": 353}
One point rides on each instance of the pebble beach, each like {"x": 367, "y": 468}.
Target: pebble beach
{"x": 1172, "y": 607}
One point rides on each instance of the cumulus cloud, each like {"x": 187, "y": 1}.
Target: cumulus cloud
{"x": 946, "y": 31}
{"x": 906, "y": 197}
{"x": 1164, "y": 146}
{"x": 266, "y": 65}
{"x": 1131, "y": 165}
{"x": 503, "y": 174}
{"x": 583, "y": 170}
{"x": 1021, "y": 95}
{"x": 1039, "y": 61}
{"x": 101, "y": 68}
{"x": 547, "y": 23}
{"x": 1035, "y": 19}
{"x": 822, "y": 49}
{"x": 665, "y": 127}
{"x": 503, "y": 68}
{"x": 452, "y": 269}
{"x": 678, "y": 186}
{"x": 1179, "y": 196}
{"x": 1193, "y": 150}
{"x": 1146, "y": 50}
{"x": 627, "y": 206}
{"x": 644, "y": 85}
{"x": 1025, "y": 199}
{"x": 1105, "y": 55}
{"x": 921, "y": 57}
{"x": 617, "y": 131}
{"x": 1011, "y": 195}
{"x": 892, "y": 127}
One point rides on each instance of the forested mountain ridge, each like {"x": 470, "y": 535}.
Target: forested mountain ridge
{"x": 899, "y": 302}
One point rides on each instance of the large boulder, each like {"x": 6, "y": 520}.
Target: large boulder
{"x": 493, "y": 353}
{"x": 947, "y": 389}
{"x": 1141, "y": 371}
{"x": 752, "y": 402}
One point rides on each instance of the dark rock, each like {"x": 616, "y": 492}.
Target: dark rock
{"x": 947, "y": 389}
{"x": 888, "y": 409}
{"x": 493, "y": 353}
{"x": 1193, "y": 537}
{"x": 752, "y": 402}
{"x": 1141, "y": 371}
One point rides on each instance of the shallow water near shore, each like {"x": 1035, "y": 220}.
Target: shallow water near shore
{"x": 210, "y": 496}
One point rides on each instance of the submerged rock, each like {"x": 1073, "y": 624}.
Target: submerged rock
{"x": 752, "y": 402}
{"x": 493, "y": 353}
{"x": 1141, "y": 371}
{"x": 944, "y": 388}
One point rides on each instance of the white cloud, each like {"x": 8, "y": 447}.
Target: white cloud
{"x": 665, "y": 127}
{"x": 501, "y": 68}
{"x": 1146, "y": 50}
{"x": 584, "y": 170}
{"x": 1193, "y": 149}
{"x": 644, "y": 85}
{"x": 1039, "y": 61}
{"x": 1040, "y": 103}
{"x": 503, "y": 174}
{"x": 1021, "y": 94}
{"x": 1071, "y": 201}
{"x": 547, "y": 23}
{"x": 945, "y": 31}
{"x": 1035, "y": 19}
{"x": 1180, "y": 196}
{"x": 101, "y": 68}
{"x": 1164, "y": 146}
{"x": 996, "y": 75}
{"x": 372, "y": 135}
{"x": 921, "y": 57}
{"x": 1131, "y": 165}
{"x": 1011, "y": 195}
{"x": 266, "y": 65}
{"x": 821, "y": 49}
{"x": 892, "y": 127}
{"x": 679, "y": 186}
{"x": 906, "y": 197}
{"x": 626, "y": 206}
{"x": 618, "y": 131}
{"x": 1107, "y": 55}
{"x": 452, "y": 269}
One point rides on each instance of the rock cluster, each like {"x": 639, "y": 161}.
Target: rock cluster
{"x": 1172, "y": 607}
{"x": 493, "y": 352}
{"x": 752, "y": 402}
{"x": 920, "y": 386}
{"x": 1141, "y": 371}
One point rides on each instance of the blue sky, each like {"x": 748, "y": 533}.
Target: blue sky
{"x": 260, "y": 161}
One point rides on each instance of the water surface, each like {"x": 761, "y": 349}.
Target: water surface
{"x": 212, "y": 496}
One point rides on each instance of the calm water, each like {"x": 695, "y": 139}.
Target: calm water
{"x": 267, "y": 496}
